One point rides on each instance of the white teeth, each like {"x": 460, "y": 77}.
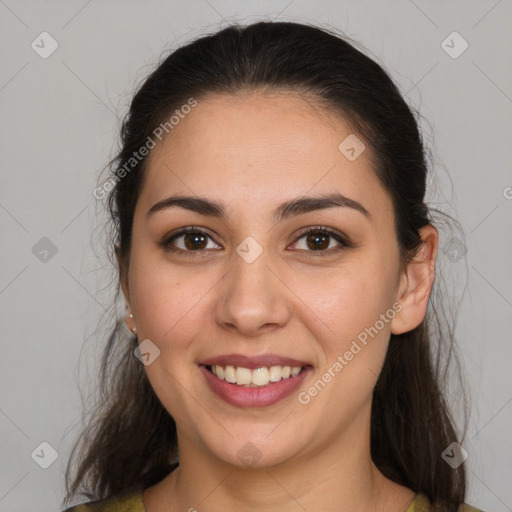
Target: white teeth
{"x": 230, "y": 374}
{"x": 254, "y": 378}
{"x": 260, "y": 377}
{"x": 295, "y": 370}
{"x": 275, "y": 373}
{"x": 243, "y": 376}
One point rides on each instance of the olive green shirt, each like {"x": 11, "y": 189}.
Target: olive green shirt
{"x": 132, "y": 502}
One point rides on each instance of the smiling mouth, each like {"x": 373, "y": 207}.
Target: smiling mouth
{"x": 258, "y": 377}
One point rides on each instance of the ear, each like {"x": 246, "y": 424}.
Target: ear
{"x": 416, "y": 283}
{"x": 123, "y": 274}
{"x": 123, "y": 280}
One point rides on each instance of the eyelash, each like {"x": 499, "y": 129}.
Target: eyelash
{"x": 344, "y": 242}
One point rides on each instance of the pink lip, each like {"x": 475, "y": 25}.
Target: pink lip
{"x": 263, "y": 396}
{"x": 253, "y": 362}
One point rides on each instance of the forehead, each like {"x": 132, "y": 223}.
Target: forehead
{"x": 257, "y": 148}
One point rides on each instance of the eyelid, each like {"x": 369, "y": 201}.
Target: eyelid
{"x": 324, "y": 229}
{"x": 166, "y": 244}
{"x": 341, "y": 238}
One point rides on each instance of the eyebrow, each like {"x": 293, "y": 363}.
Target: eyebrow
{"x": 287, "y": 209}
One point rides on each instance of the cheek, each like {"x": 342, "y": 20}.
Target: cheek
{"x": 352, "y": 338}
{"x": 169, "y": 307}
{"x": 347, "y": 301}
{"x": 168, "y": 303}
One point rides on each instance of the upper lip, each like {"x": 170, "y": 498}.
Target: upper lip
{"x": 252, "y": 362}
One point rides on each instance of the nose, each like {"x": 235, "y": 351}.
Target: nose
{"x": 253, "y": 299}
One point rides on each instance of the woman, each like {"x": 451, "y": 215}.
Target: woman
{"x": 277, "y": 258}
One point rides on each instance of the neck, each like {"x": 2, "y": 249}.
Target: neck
{"x": 340, "y": 476}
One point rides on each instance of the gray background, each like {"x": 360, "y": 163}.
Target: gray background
{"x": 59, "y": 123}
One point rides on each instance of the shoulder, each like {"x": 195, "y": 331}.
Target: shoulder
{"x": 130, "y": 499}
{"x": 422, "y": 504}
{"x": 127, "y": 502}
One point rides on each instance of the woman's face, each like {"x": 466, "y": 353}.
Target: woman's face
{"x": 248, "y": 288}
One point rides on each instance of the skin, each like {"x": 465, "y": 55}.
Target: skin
{"x": 253, "y": 152}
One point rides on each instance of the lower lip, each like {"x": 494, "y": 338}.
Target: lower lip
{"x": 263, "y": 396}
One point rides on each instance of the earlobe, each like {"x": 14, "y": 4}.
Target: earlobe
{"x": 122, "y": 273}
{"x": 130, "y": 322}
{"x": 416, "y": 283}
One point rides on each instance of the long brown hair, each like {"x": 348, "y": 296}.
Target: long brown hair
{"x": 130, "y": 440}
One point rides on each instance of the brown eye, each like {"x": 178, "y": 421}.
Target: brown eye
{"x": 318, "y": 241}
{"x": 194, "y": 241}
{"x": 188, "y": 241}
{"x": 322, "y": 241}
